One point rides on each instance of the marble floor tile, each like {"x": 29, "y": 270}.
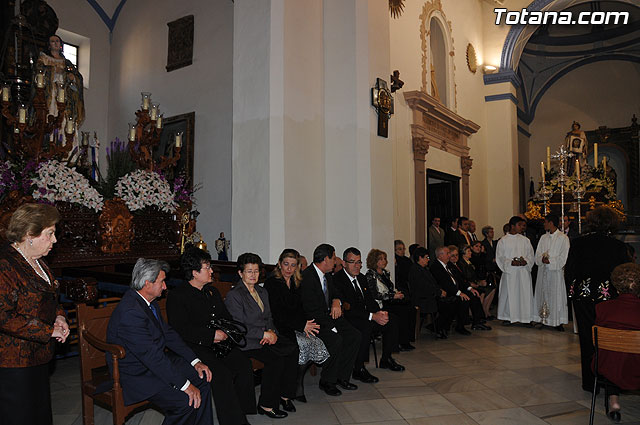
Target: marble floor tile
{"x": 519, "y": 362}
{"x": 434, "y": 369}
{"x": 366, "y": 411}
{"x": 545, "y": 374}
{"x": 476, "y": 401}
{"x": 460, "y": 419}
{"x": 406, "y": 382}
{"x": 453, "y": 384}
{"x": 395, "y": 392}
{"x": 423, "y": 406}
{"x": 499, "y": 379}
{"x": 530, "y": 395}
{"x": 512, "y": 416}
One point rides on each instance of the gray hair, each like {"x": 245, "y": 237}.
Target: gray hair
{"x": 440, "y": 250}
{"x": 485, "y": 230}
{"x": 147, "y": 270}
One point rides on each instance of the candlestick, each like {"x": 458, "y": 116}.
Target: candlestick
{"x": 159, "y": 122}
{"x": 578, "y": 169}
{"x": 595, "y": 155}
{"x": 132, "y": 132}
{"x": 6, "y": 90}
{"x": 60, "y": 93}
{"x": 548, "y": 158}
{"x": 85, "y": 138}
{"x": 70, "y": 127}
{"x": 542, "y": 172}
{"x": 179, "y": 139}
{"x": 604, "y": 164}
{"x": 146, "y": 100}
{"x": 22, "y": 114}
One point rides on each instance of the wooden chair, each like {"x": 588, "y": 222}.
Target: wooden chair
{"x": 622, "y": 341}
{"x": 92, "y": 331}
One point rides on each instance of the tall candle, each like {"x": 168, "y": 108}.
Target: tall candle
{"x": 146, "y": 100}
{"x": 179, "y": 139}
{"x": 22, "y": 114}
{"x": 578, "y": 169}
{"x": 39, "y": 80}
{"x": 159, "y": 122}
{"x": 132, "y": 132}
{"x": 604, "y": 163}
{"x": 542, "y": 172}
{"x": 548, "y": 158}
{"x": 595, "y": 155}
{"x": 5, "y": 93}
{"x": 70, "y": 128}
{"x": 60, "y": 94}
{"x": 154, "y": 112}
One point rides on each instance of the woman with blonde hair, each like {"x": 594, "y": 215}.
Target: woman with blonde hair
{"x": 388, "y": 298}
{"x": 31, "y": 320}
{"x": 288, "y": 315}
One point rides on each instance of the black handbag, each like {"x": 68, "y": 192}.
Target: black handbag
{"x": 236, "y": 335}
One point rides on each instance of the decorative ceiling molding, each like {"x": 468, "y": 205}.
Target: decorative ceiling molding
{"x": 110, "y": 22}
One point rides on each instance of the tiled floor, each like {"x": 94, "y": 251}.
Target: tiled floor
{"x": 510, "y": 375}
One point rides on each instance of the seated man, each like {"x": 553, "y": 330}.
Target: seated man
{"x": 172, "y": 380}
{"x": 467, "y": 286}
{"x": 364, "y": 313}
{"x": 457, "y": 301}
{"x": 321, "y": 302}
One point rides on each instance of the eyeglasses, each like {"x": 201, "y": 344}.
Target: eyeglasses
{"x": 252, "y": 272}
{"x": 206, "y": 267}
{"x": 358, "y": 263}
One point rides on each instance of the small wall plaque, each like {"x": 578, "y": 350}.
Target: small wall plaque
{"x": 180, "y": 46}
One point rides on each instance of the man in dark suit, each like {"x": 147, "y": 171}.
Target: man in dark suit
{"x": 403, "y": 264}
{"x": 321, "y": 302}
{"x": 364, "y": 313}
{"x": 451, "y": 231}
{"x": 457, "y": 301}
{"x": 570, "y": 228}
{"x": 172, "y": 380}
{"x": 461, "y": 237}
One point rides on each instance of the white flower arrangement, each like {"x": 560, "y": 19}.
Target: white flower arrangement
{"x": 141, "y": 189}
{"x": 55, "y": 181}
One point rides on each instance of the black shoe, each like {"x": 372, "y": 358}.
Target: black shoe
{"x": 347, "y": 385}
{"x": 363, "y": 375}
{"x": 287, "y": 405}
{"x": 560, "y": 328}
{"x": 273, "y": 414}
{"x": 407, "y": 347}
{"x": 301, "y": 398}
{"x": 481, "y": 327}
{"x": 441, "y": 335}
{"x": 615, "y": 416}
{"x": 329, "y": 388}
{"x": 391, "y": 364}
{"x": 491, "y": 317}
{"x": 507, "y": 323}
{"x": 463, "y": 331}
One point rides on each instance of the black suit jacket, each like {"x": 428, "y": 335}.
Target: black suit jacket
{"x": 146, "y": 367}
{"x": 443, "y": 278}
{"x": 313, "y": 303}
{"x": 359, "y": 306}
{"x": 286, "y": 306}
{"x": 424, "y": 289}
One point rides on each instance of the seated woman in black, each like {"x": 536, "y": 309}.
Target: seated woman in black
{"x": 248, "y": 303}
{"x": 190, "y": 308}
{"x": 388, "y": 298}
{"x": 289, "y": 317}
{"x": 474, "y": 264}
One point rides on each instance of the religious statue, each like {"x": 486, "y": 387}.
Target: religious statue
{"x": 59, "y": 70}
{"x": 576, "y": 142}
{"x": 610, "y": 173}
{"x": 222, "y": 247}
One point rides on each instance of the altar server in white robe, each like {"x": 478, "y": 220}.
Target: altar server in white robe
{"x": 551, "y": 294}
{"x": 514, "y": 256}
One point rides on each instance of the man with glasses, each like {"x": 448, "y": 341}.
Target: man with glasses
{"x": 364, "y": 313}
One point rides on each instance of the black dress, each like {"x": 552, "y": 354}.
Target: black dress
{"x": 383, "y": 290}
{"x": 591, "y": 260}
{"x": 189, "y": 311}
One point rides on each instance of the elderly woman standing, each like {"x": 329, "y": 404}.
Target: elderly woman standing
{"x": 30, "y": 317}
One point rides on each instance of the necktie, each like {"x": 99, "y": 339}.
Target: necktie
{"x": 325, "y": 290}
{"x": 356, "y": 287}
{"x": 257, "y": 298}
{"x": 154, "y": 311}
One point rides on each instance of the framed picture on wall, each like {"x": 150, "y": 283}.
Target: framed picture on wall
{"x": 172, "y": 125}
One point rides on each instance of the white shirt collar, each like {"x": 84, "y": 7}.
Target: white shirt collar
{"x": 319, "y": 272}
{"x": 145, "y": 300}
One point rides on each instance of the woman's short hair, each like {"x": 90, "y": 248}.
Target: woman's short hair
{"x": 372, "y": 258}
{"x": 626, "y": 279}
{"x": 248, "y": 258}
{"x": 192, "y": 261}
{"x": 31, "y": 220}
{"x": 147, "y": 269}
{"x": 289, "y": 253}
{"x": 418, "y": 253}
{"x": 485, "y": 230}
{"x": 464, "y": 249}
{"x": 603, "y": 219}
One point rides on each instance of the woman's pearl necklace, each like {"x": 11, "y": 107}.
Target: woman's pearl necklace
{"x": 40, "y": 273}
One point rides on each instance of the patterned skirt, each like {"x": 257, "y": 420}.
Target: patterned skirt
{"x": 312, "y": 349}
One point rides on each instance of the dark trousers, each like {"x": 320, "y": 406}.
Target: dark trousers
{"x": 455, "y": 307}
{"x": 279, "y": 373}
{"x": 25, "y": 397}
{"x": 366, "y": 328}
{"x": 405, "y": 316}
{"x": 343, "y": 349}
{"x": 232, "y": 384}
{"x": 175, "y": 403}
{"x": 586, "y": 317}
{"x": 477, "y": 312}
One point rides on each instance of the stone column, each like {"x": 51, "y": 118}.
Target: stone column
{"x": 420, "y": 149}
{"x": 465, "y": 165}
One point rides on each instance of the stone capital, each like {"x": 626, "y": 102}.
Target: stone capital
{"x": 466, "y": 163}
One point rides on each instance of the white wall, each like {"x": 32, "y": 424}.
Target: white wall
{"x": 138, "y": 60}
{"x": 598, "y": 94}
